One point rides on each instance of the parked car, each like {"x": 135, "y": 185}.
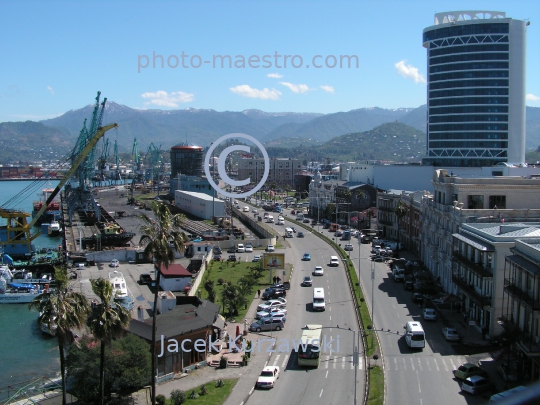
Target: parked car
{"x": 232, "y": 258}
{"x": 114, "y": 263}
{"x": 271, "y": 304}
{"x": 450, "y": 334}
{"x": 307, "y": 282}
{"x": 256, "y": 258}
{"x": 145, "y": 279}
{"x": 418, "y": 298}
{"x": 429, "y": 314}
{"x": 248, "y": 249}
{"x": 268, "y": 377}
{"x": 270, "y": 248}
{"x": 318, "y": 271}
{"x": 468, "y": 370}
{"x": 476, "y": 385}
{"x": 240, "y": 248}
{"x": 217, "y": 250}
{"x": 217, "y": 258}
{"x": 271, "y": 312}
{"x": 409, "y": 285}
{"x": 274, "y": 293}
{"x": 306, "y": 257}
{"x": 267, "y": 324}
{"x": 231, "y": 250}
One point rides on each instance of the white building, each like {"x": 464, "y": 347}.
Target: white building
{"x": 199, "y": 204}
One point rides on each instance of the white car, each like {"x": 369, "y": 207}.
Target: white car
{"x": 114, "y": 263}
{"x": 248, "y": 249}
{"x": 273, "y": 312}
{"x": 270, "y": 248}
{"x": 246, "y": 209}
{"x": 280, "y": 218}
{"x": 256, "y": 258}
{"x": 429, "y": 314}
{"x": 268, "y": 377}
{"x": 269, "y": 305}
{"x": 240, "y": 248}
{"x": 450, "y": 334}
{"x": 348, "y": 247}
{"x": 319, "y": 271}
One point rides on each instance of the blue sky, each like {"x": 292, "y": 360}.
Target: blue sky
{"x": 55, "y": 55}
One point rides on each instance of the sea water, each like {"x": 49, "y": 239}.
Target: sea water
{"x": 25, "y": 352}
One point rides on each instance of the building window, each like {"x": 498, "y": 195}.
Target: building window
{"x": 475, "y": 202}
{"x": 497, "y": 201}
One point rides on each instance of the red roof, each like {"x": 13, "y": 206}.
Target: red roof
{"x": 174, "y": 270}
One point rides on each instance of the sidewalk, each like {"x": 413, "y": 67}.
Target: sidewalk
{"x": 246, "y": 375}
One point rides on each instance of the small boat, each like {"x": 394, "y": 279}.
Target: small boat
{"x": 120, "y": 290}
{"x": 54, "y": 228}
{"x": 16, "y": 292}
{"x": 49, "y": 329}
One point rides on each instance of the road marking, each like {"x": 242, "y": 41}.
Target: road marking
{"x": 285, "y": 359}
{"x": 418, "y": 378}
{"x": 360, "y": 363}
{"x": 326, "y": 376}
{"x": 334, "y": 363}
{"x": 453, "y": 365}
{"x": 412, "y": 364}
{"x": 404, "y": 364}
{"x": 276, "y": 359}
{"x": 428, "y": 366}
{"x": 343, "y": 363}
{"x": 436, "y": 365}
{"x": 395, "y": 362}
{"x": 352, "y": 362}
{"x": 420, "y": 365}
{"x": 330, "y": 318}
{"x": 444, "y": 364}
{"x": 320, "y": 395}
{"x": 326, "y": 362}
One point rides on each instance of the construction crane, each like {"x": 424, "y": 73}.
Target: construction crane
{"x": 138, "y": 170}
{"x": 102, "y": 163}
{"x": 117, "y": 173}
{"x": 153, "y": 156}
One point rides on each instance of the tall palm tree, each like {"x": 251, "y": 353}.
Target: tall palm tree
{"x": 401, "y": 210}
{"x": 163, "y": 237}
{"x": 109, "y": 322}
{"x": 65, "y": 309}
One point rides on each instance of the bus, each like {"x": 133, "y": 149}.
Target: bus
{"x": 309, "y": 346}
{"x": 289, "y": 232}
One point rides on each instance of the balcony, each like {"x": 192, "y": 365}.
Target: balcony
{"x": 470, "y": 291}
{"x": 387, "y": 222}
{"x": 520, "y": 295}
{"x": 528, "y": 343}
{"x": 386, "y": 209}
{"x": 476, "y": 268}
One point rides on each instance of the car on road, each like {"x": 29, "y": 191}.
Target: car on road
{"x": 79, "y": 266}
{"x": 429, "y": 314}
{"x": 270, "y": 248}
{"x": 231, "y": 250}
{"x": 267, "y": 324}
{"x": 468, "y": 370}
{"x": 306, "y": 221}
{"x": 271, "y": 312}
{"x": 300, "y": 235}
{"x": 450, "y": 334}
{"x": 348, "y": 247}
{"x": 307, "y": 281}
{"x": 334, "y": 261}
{"x": 246, "y": 209}
{"x": 256, "y": 258}
{"x": 254, "y": 210}
{"x": 145, "y": 279}
{"x": 318, "y": 271}
{"x": 268, "y": 377}
{"x": 476, "y": 385}
{"x": 293, "y": 229}
{"x": 418, "y": 298}
{"x": 248, "y": 249}
{"x": 338, "y": 234}
{"x": 306, "y": 257}
{"x": 114, "y": 263}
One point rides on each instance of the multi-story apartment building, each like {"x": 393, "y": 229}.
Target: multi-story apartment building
{"x": 282, "y": 170}
{"x": 521, "y": 304}
{"x": 476, "y": 89}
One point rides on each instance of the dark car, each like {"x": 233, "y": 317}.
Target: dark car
{"x": 232, "y": 249}
{"x": 338, "y": 233}
{"x": 145, "y": 278}
{"x": 417, "y": 297}
{"x": 306, "y": 221}
{"x": 217, "y": 250}
{"x": 293, "y": 229}
{"x": 217, "y": 257}
{"x": 274, "y": 293}
{"x": 408, "y": 285}
{"x": 232, "y": 258}
{"x": 300, "y": 235}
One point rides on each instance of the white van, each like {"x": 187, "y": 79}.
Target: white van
{"x": 240, "y": 248}
{"x": 270, "y": 219}
{"x": 334, "y": 261}
{"x": 289, "y": 232}
{"x": 318, "y": 299}
{"x": 414, "y": 335}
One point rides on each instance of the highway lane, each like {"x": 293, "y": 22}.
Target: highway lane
{"x": 420, "y": 377}
{"x": 333, "y": 381}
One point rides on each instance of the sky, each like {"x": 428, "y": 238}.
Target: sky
{"x": 286, "y": 56}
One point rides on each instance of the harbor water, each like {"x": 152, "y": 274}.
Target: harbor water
{"x": 26, "y": 352}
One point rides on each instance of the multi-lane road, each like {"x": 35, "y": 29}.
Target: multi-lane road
{"x": 333, "y": 381}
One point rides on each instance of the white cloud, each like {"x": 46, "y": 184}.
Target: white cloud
{"x": 50, "y": 89}
{"x": 328, "y": 89}
{"x": 245, "y": 90}
{"x": 164, "y": 99}
{"x": 296, "y": 88}
{"x": 274, "y": 75}
{"x": 409, "y": 71}
{"x": 532, "y": 97}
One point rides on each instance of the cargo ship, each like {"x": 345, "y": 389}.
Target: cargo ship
{"x": 52, "y": 211}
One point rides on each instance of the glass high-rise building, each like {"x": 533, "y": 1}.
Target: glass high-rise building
{"x": 476, "y": 89}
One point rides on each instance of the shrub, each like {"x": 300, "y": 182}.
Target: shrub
{"x": 193, "y": 395}
{"x": 204, "y": 391}
{"x": 220, "y": 281}
{"x": 160, "y": 399}
{"x": 220, "y": 384}
{"x": 178, "y": 397}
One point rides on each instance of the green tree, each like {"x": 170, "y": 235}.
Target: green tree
{"x": 401, "y": 210}
{"x": 108, "y": 322}
{"x": 64, "y": 309}
{"x": 232, "y": 298}
{"x": 209, "y": 287}
{"x": 163, "y": 236}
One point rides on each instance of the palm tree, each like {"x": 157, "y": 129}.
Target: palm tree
{"x": 401, "y": 210}
{"x": 108, "y": 323}
{"x": 163, "y": 236}
{"x": 65, "y": 309}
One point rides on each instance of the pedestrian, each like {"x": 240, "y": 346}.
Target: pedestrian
{"x": 258, "y": 293}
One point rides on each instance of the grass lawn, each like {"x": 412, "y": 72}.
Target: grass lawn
{"x": 376, "y": 386}
{"x": 214, "y": 395}
{"x": 232, "y": 272}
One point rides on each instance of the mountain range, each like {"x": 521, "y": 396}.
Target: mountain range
{"x": 166, "y": 128}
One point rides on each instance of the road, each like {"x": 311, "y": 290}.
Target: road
{"x": 423, "y": 377}
{"x": 333, "y": 381}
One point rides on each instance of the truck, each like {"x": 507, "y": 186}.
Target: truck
{"x": 334, "y": 227}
